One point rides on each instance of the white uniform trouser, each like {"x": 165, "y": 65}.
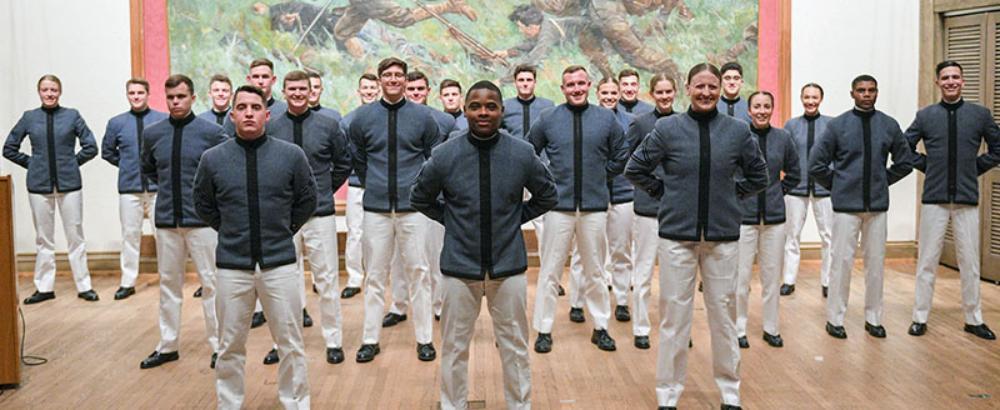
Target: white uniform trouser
{"x": 575, "y": 286}
{"x": 435, "y": 241}
{"x": 795, "y": 211}
{"x": 617, "y": 269}
{"x": 507, "y": 301}
{"x": 589, "y": 230}
{"x": 173, "y": 246}
{"x": 846, "y": 227}
{"x": 385, "y": 232}
{"x": 539, "y": 227}
{"x": 646, "y": 232}
{"x": 319, "y": 238}
{"x": 766, "y": 243}
{"x": 132, "y": 210}
{"x": 278, "y": 290}
{"x": 965, "y": 229}
{"x": 679, "y": 262}
{"x": 43, "y": 213}
{"x": 353, "y": 257}
{"x": 399, "y": 285}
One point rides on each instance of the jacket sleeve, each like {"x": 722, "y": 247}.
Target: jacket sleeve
{"x": 359, "y": 157}
{"x": 542, "y": 187}
{"x": 425, "y": 191}
{"x": 793, "y": 175}
{"x": 753, "y": 166}
{"x": 88, "y": 146}
{"x": 821, "y": 157}
{"x": 340, "y": 153}
{"x": 618, "y": 151}
{"x": 902, "y": 157}
{"x": 647, "y": 156}
{"x": 433, "y": 135}
{"x": 536, "y": 136}
{"x": 990, "y": 158}
{"x": 205, "y": 203}
{"x": 12, "y": 147}
{"x": 109, "y": 144}
{"x": 304, "y": 191}
{"x": 913, "y": 136}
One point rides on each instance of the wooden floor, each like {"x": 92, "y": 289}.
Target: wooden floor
{"x": 94, "y": 350}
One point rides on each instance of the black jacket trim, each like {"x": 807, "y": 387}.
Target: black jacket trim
{"x": 708, "y": 238}
{"x": 263, "y": 265}
{"x": 482, "y": 276}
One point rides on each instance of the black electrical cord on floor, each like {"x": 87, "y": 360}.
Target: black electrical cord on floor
{"x": 28, "y": 360}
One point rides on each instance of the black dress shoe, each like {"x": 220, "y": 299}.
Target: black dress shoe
{"x": 334, "y": 355}
{"x": 393, "y": 319}
{"x": 917, "y": 329}
{"x": 157, "y": 359}
{"x": 560, "y": 291}
{"x": 690, "y": 343}
{"x": 826, "y": 291}
{"x": 315, "y": 289}
{"x": 39, "y": 297}
{"x": 731, "y": 407}
{"x": 666, "y": 408}
{"x": 621, "y": 314}
{"x": 787, "y": 289}
{"x": 875, "y": 331}
{"x": 603, "y": 340}
{"x": 197, "y": 293}
{"x": 258, "y": 320}
{"x": 124, "y": 292}
{"x": 773, "y": 340}
{"x": 836, "y": 331}
{"x": 272, "y": 357}
{"x": 641, "y": 342}
{"x": 576, "y": 315}
{"x": 744, "y": 343}
{"x": 437, "y": 318}
{"x": 543, "y": 343}
{"x": 426, "y": 352}
{"x": 980, "y": 331}
{"x": 215, "y": 356}
{"x": 307, "y": 321}
{"x": 701, "y": 286}
{"x": 89, "y": 296}
{"x": 349, "y": 292}
{"x": 367, "y": 353}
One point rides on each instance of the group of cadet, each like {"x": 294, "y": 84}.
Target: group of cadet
{"x": 436, "y": 201}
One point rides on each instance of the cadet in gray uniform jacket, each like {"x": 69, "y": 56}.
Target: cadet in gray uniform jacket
{"x": 220, "y": 90}
{"x": 257, "y": 192}
{"x": 952, "y": 132}
{"x": 483, "y": 254}
{"x": 628, "y": 85}
{"x": 586, "y": 147}
{"x": 121, "y": 147}
{"x": 730, "y": 103}
{"x": 171, "y": 151}
{"x": 54, "y": 181}
{"x": 857, "y": 145}
{"x": 700, "y": 153}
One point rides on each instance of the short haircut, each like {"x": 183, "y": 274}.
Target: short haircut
{"x": 389, "y": 62}
{"x": 653, "y": 81}
{"x": 220, "y": 78}
{"x": 526, "y": 14}
{"x": 49, "y": 77}
{"x": 136, "y": 80}
{"x": 760, "y": 92}
{"x": 178, "y": 79}
{"x": 484, "y": 85}
{"x": 704, "y": 67}
{"x": 628, "y": 72}
{"x": 367, "y": 76}
{"x": 606, "y": 80}
{"x": 314, "y": 74}
{"x": 262, "y": 61}
{"x": 526, "y": 68}
{"x": 447, "y": 82}
{"x": 945, "y": 64}
{"x": 574, "y": 68}
{"x": 732, "y": 65}
{"x": 247, "y": 88}
{"x": 416, "y": 75}
{"x": 812, "y": 85}
{"x": 294, "y": 75}
{"x": 861, "y": 78}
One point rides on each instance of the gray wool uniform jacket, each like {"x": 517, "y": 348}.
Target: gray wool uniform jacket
{"x": 781, "y": 154}
{"x": 620, "y": 190}
{"x": 806, "y": 131}
{"x": 952, "y": 135}
{"x": 644, "y": 205}
{"x": 54, "y": 163}
{"x": 345, "y": 125}
{"x": 122, "y": 146}
{"x": 701, "y": 155}
{"x": 171, "y": 151}
{"x": 256, "y": 194}
{"x": 518, "y": 114}
{"x": 857, "y": 144}
{"x": 221, "y": 119}
{"x": 325, "y": 146}
{"x": 585, "y": 147}
{"x": 389, "y": 144}
{"x": 734, "y": 108}
{"x": 636, "y": 108}
{"x": 329, "y": 112}
{"x": 482, "y": 182}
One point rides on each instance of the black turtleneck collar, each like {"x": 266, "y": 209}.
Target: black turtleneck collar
{"x": 270, "y": 101}
{"x": 392, "y": 107}
{"x": 658, "y": 114}
{"x": 863, "y": 114}
{"x": 578, "y": 108}
{"x": 251, "y": 144}
{"x": 952, "y": 106}
{"x": 703, "y": 116}
{"x": 299, "y": 117}
{"x": 183, "y": 121}
{"x": 629, "y": 104}
{"x": 218, "y": 113}
{"x": 316, "y": 107}
{"x": 140, "y": 113}
{"x": 484, "y": 143}
{"x": 811, "y": 117}
{"x": 51, "y": 110}
{"x": 526, "y": 102}
{"x": 730, "y": 101}
{"x": 455, "y": 114}
{"x": 760, "y": 131}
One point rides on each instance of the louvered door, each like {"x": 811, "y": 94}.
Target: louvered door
{"x": 991, "y": 183}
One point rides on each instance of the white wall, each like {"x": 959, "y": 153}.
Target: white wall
{"x": 834, "y": 41}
